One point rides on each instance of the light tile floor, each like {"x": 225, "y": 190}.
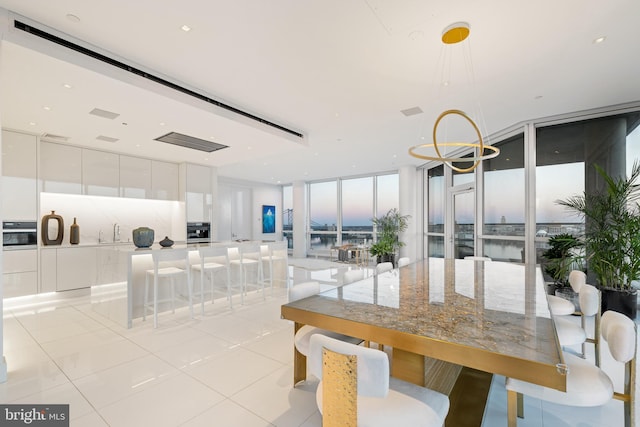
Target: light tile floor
{"x": 228, "y": 368}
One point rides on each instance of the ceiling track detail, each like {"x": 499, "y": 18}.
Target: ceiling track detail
{"x": 83, "y": 50}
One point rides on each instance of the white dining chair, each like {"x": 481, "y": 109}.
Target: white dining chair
{"x": 571, "y": 333}
{"x": 587, "y": 384}
{"x": 351, "y": 276}
{"x": 383, "y": 267}
{"x": 562, "y": 307}
{"x": 303, "y": 335}
{"x": 375, "y": 398}
{"x": 164, "y": 267}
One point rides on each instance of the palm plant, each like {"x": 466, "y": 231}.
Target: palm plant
{"x": 612, "y": 229}
{"x": 562, "y": 257}
{"x": 388, "y": 227}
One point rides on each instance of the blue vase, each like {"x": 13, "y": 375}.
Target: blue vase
{"x": 143, "y": 237}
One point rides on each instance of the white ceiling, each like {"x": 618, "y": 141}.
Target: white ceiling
{"x": 337, "y": 71}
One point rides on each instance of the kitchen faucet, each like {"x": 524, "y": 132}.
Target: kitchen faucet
{"x": 116, "y": 232}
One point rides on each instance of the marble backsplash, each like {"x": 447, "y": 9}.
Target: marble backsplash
{"x": 98, "y": 217}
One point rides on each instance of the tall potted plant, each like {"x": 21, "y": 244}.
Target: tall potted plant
{"x": 561, "y": 257}
{"x": 612, "y": 237}
{"x": 388, "y": 228}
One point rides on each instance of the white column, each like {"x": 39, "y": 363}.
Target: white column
{"x": 299, "y": 219}
{"x": 407, "y": 206}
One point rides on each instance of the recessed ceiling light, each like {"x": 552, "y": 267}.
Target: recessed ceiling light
{"x": 278, "y": 182}
{"x": 46, "y": 107}
{"x": 206, "y": 159}
{"x": 67, "y": 86}
{"x": 212, "y": 137}
{"x": 556, "y": 152}
{"x": 186, "y": 28}
{"x": 265, "y": 164}
{"x": 73, "y": 18}
{"x": 599, "y": 40}
{"x": 138, "y": 145}
{"x": 162, "y": 123}
{"x": 395, "y": 156}
{"x": 32, "y": 123}
{"x": 248, "y": 148}
{"x": 445, "y": 83}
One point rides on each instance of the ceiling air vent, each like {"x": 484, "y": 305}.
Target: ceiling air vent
{"x": 104, "y": 113}
{"x": 411, "y": 111}
{"x": 106, "y": 138}
{"x": 50, "y": 137}
{"x": 187, "y": 141}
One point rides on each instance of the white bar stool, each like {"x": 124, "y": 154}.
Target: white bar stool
{"x": 171, "y": 272}
{"x": 212, "y": 259}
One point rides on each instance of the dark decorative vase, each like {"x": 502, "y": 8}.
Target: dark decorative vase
{"x": 166, "y": 242}
{"x": 622, "y": 301}
{"x": 44, "y": 229}
{"x": 74, "y": 233}
{"x": 143, "y": 237}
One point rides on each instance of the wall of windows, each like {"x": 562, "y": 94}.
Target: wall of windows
{"x": 516, "y": 193}
{"x": 503, "y": 208}
{"x": 340, "y": 210}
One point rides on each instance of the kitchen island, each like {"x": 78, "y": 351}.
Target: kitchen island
{"x": 123, "y": 301}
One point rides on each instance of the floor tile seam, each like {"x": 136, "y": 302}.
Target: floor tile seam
{"x": 233, "y": 396}
{"x": 316, "y": 411}
{"x": 264, "y": 355}
{"x": 175, "y": 372}
{"x": 253, "y": 383}
{"x": 223, "y": 401}
{"x": 120, "y": 364}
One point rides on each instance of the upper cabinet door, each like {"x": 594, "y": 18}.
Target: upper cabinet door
{"x": 19, "y": 185}
{"x": 198, "y": 197}
{"x": 100, "y": 173}
{"x": 135, "y": 177}
{"x": 165, "y": 180}
{"x": 60, "y": 168}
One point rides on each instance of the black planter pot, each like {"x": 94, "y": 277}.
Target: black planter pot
{"x": 387, "y": 258}
{"x": 622, "y": 301}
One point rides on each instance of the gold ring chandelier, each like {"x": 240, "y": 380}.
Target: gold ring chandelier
{"x": 455, "y": 33}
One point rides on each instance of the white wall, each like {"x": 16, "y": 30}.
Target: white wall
{"x": 234, "y": 198}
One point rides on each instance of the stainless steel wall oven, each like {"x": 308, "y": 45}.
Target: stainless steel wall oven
{"x": 19, "y": 233}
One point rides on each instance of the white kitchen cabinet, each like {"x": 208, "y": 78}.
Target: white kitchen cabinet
{"x": 60, "y": 168}
{"x": 198, "y": 193}
{"x": 48, "y": 270}
{"x": 20, "y": 272}
{"x": 19, "y": 185}
{"x": 135, "y": 177}
{"x": 100, "y": 173}
{"x": 76, "y": 268}
{"x": 165, "y": 180}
